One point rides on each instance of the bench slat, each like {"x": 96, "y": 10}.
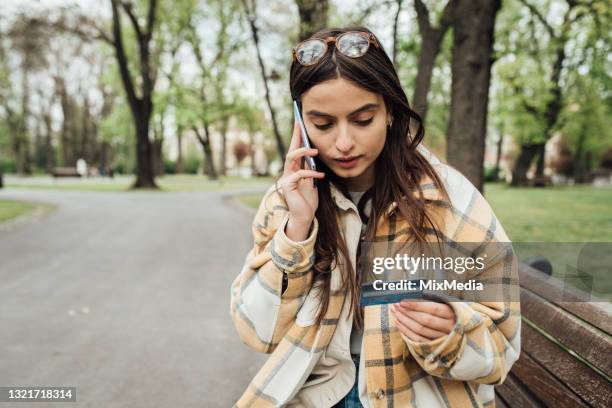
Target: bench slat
{"x": 586, "y": 383}
{"x": 515, "y": 395}
{"x": 567, "y": 297}
{"x": 499, "y": 402}
{"x": 589, "y": 343}
{"x": 543, "y": 385}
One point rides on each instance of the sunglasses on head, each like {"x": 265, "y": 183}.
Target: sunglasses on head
{"x": 353, "y": 44}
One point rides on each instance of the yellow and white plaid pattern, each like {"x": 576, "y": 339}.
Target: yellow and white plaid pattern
{"x": 457, "y": 370}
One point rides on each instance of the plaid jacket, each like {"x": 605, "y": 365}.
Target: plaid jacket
{"x": 309, "y": 364}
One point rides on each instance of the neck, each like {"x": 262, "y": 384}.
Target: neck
{"x": 361, "y": 182}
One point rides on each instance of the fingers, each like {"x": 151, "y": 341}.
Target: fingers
{"x": 409, "y": 333}
{"x": 415, "y": 326}
{"x": 296, "y": 137}
{"x": 435, "y": 308}
{"x": 427, "y": 320}
{"x": 302, "y": 174}
{"x": 294, "y": 155}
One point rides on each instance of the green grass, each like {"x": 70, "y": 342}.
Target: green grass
{"x": 119, "y": 184}
{"x": 10, "y": 209}
{"x": 555, "y": 214}
{"x": 251, "y": 200}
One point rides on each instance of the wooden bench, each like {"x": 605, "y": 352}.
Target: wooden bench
{"x": 566, "y": 347}
{"x": 65, "y": 172}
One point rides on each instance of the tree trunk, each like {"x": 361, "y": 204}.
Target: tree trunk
{"x": 49, "y": 153}
{"x": 313, "y": 16}
{"x": 179, "y": 160}
{"x": 17, "y": 151}
{"x": 527, "y": 154}
{"x": 252, "y": 153}
{"x": 209, "y": 164}
{"x": 500, "y": 144}
{"x": 474, "y": 25}
{"x": 431, "y": 40}
{"x": 395, "y": 21}
{"x": 580, "y": 162}
{"x": 39, "y": 148}
{"x": 427, "y": 57}
{"x": 158, "y": 163}
{"x": 144, "y": 167}
{"x": 541, "y": 155}
{"x": 22, "y": 152}
{"x": 224, "y": 125}
{"x": 140, "y": 106}
{"x": 75, "y": 131}
{"x": 279, "y": 140}
{"x": 65, "y": 137}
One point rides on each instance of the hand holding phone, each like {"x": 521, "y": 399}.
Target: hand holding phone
{"x": 298, "y": 185}
{"x": 304, "y": 134}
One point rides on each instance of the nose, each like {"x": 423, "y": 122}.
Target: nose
{"x": 344, "y": 141}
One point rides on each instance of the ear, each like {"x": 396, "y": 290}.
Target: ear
{"x": 389, "y": 119}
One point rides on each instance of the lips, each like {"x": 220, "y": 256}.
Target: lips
{"x": 347, "y": 162}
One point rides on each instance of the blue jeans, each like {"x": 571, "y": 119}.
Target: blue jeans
{"x": 351, "y": 400}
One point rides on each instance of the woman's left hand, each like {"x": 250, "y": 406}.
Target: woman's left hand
{"x": 423, "y": 320}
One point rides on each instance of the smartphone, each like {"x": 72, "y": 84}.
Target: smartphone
{"x": 305, "y": 140}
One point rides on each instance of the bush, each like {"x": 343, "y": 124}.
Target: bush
{"x": 121, "y": 167}
{"x": 8, "y": 165}
{"x": 489, "y": 174}
{"x": 606, "y": 160}
{"x": 191, "y": 164}
{"x": 169, "y": 166}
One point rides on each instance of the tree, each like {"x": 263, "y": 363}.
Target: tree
{"x": 313, "y": 16}
{"x": 473, "y": 28}
{"x": 431, "y": 40}
{"x": 251, "y": 12}
{"x": 548, "y": 114}
{"x": 30, "y": 39}
{"x": 141, "y": 104}
{"x": 249, "y": 116}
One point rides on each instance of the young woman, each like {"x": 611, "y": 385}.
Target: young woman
{"x": 298, "y": 294}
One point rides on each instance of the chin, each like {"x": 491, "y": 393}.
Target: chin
{"x": 348, "y": 173}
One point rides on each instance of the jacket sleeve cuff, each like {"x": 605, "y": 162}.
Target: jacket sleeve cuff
{"x": 443, "y": 351}
{"x": 292, "y": 256}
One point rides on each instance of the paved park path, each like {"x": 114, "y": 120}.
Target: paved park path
{"x": 126, "y": 297}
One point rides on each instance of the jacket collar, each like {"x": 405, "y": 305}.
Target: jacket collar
{"x": 430, "y": 192}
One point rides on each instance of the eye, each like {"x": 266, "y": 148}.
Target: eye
{"x": 323, "y": 127}
{"x": 364, "y": 122}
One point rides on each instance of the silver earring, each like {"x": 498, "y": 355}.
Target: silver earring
{"x": 390, "y": 122}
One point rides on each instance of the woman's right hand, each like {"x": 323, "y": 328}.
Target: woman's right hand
{"x": 298, "y": 188}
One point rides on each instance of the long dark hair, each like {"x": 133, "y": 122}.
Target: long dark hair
{"x": 399, "y": 168}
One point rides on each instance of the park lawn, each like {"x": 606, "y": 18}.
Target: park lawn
{"x": 122, "y": 183}
{"x": 555, "y": 214}
{"x": 10, "y": 209}
{"x": 199, "y": 183}
{"x": 251, "y": 200}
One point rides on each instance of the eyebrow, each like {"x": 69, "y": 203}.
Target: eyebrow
{"x": 366, "y": 107}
